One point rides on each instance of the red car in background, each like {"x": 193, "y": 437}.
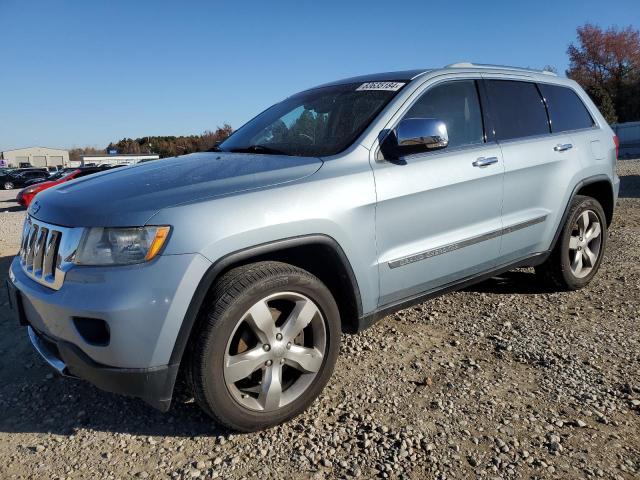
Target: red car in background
{"x": 25, "y": 196}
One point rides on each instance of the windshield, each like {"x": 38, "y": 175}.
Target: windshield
{"x": 319, "y": 122}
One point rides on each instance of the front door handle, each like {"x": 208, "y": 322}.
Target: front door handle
{"x": 561, "y": 147}
{"x": 485, "y": 161}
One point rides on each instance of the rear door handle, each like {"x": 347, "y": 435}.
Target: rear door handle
{"x": 561, "y": 147}
{"x": 485, "y": 161}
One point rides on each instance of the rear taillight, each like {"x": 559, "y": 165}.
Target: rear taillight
{"x": 616, "y": 140}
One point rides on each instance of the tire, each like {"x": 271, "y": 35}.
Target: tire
{"x": 560, "y": 269}
{"x": 236, "y": 325}
{"x": 8, "y": 186}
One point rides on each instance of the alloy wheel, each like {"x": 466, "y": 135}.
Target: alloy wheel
{"x": 275, "y": 351}
{"x": 585, "y": 244}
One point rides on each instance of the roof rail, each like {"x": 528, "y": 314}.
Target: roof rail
{"x": 503, "y": 67}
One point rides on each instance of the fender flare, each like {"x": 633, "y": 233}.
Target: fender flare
{"x": 582, "y": 183}
{"x": 239, "y": 256}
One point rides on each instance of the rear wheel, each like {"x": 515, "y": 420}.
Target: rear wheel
{"x": 579, "y": 250}
{"x": 8, "y": 185}
{"x": 267, "y": 346}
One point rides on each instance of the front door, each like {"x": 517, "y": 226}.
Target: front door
{"x": 438, "y": 214}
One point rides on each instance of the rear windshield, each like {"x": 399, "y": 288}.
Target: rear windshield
{"x": 319, "y": 122}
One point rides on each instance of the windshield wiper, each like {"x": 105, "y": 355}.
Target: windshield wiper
{"x": 258, "y": 149}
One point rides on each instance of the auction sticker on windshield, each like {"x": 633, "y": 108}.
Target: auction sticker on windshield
{"x": 388, "y": 86}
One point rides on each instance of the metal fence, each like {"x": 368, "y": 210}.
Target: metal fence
{"x": 629, "y": 136}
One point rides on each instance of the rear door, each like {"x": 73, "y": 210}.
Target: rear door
{"x": 569, "y": 115}
{"x": 538, "y": 166}
{"x": 438, "y": 213}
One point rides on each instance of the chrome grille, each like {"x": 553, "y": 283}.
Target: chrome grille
{"x": 46, "y": 251}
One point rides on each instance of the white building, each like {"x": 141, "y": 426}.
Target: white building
{"x": 36, "y": 157}
{"x": 119, "y": 159}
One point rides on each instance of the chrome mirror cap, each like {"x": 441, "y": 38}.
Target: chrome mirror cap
{"x": 422, "y": 134}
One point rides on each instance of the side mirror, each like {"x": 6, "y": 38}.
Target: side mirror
{"x": 415, "y": 135}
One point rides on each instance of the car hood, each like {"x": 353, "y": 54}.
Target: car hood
{"x": 130, "y": 196}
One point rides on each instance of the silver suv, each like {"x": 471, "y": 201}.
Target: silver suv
{"x": 239, "y": 268}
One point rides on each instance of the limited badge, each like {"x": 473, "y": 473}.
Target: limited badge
{"x": 386, "y": 86}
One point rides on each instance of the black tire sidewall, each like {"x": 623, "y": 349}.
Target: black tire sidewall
{"x": 218, "y": 398}
{"x": 582, "y": 204}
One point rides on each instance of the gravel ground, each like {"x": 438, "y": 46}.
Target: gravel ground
{"x": 502, "y": 380}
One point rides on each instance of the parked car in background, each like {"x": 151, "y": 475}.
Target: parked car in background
{"x": 26, "y": 195}
{"x": 18, "y": 178}
{"x": 116, "y": 165}
{"x": 52, "y": 177}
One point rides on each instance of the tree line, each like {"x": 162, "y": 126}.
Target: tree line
{"x": 165, "y": 146}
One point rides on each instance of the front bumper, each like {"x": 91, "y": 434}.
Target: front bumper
{"x": 144, "y": 307}
{"x": 153, "y": 385}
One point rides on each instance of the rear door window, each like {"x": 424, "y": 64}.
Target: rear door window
{"x": 518, "y": 109}
{"x": 566, "y": 110}
{"x": 456, "y": 104}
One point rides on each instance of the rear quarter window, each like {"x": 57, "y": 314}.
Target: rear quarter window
{"x": 518, "y": 109}
{"x": 566, "y": 110}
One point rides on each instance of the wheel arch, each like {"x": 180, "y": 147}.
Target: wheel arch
{"x": 598, "y": 187}
{"x": 602, "y": 191}
{"x": 319, "y": 254}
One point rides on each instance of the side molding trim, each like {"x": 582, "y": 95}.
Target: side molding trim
{"x": 370, "y": 318}
{"x": 400, "y": 262}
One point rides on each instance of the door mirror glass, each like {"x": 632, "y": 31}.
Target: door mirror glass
{"x": 415, "y": 135}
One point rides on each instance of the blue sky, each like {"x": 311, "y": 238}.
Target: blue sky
{"x": 83, "y": 73}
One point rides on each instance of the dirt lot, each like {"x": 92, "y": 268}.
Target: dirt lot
{"x": 503, "y": 380}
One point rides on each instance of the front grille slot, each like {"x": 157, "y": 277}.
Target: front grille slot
{"x": 50, "y": 254}
{"x": 40, "y": 250}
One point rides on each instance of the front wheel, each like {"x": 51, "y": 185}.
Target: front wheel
{"x": 8, "y": 185}
{"x": 578, "y": 252}
{"x": 267, "y": 346}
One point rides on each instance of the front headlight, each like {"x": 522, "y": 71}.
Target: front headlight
{"x": 28, "y": 190}
{"x": 120, "y": 246}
